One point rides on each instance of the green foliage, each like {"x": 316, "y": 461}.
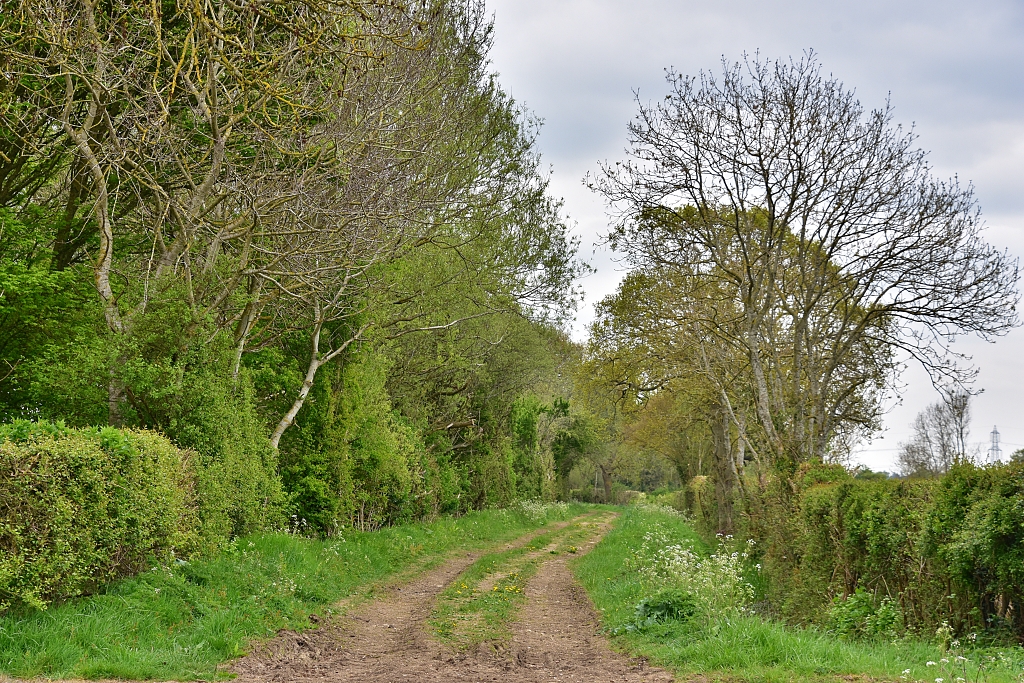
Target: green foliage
{"x": 447, "y": 404}
{"x": 537, "y": 512}
{"x": 42, "y": 309}
{"x": 238, "y": 487}
{"x": 950, "y": 549}
{"x": 860, "y": 614}
{"x": 741, "y": 646}
{"x": 81, "y": 507}
{"x": 671, "y": 604}
{"x": 352, "y": 460}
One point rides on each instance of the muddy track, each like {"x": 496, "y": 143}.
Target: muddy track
{"x": 387, "y": 641}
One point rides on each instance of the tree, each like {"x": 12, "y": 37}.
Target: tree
{"x": 940, "y": 437}
{"x": 320, "y": 226}
{"x": 809, "y": 237}
{"x": 261, "y": 168}
{"x": 195, "y": 129}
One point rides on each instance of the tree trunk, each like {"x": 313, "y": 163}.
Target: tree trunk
{"x": 115, "y": 397}
{"x": 725, "y": 480}
{"x": 316, "y": 360}
{"x": 289, "y": 417}
{"x": 606, "y": 478}
{"x": 307, "y": 383}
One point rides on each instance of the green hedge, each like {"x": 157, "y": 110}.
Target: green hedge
{"x": 81, "y": 507}
{"x": 949, "y": 549}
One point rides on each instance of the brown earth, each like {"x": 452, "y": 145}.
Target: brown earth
{"x": 556, "y": 638}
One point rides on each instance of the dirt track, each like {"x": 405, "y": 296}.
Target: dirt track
{"x": 556, "y": 638}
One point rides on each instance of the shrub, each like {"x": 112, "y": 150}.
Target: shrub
{"x": 860, "y": 614}
{"x": 539, "y": 512}
{"x": 932, "y": 550}
{"x": 716, "y": 582}
{"x": 81, "y": 507}
{"x": 668, "y": 605}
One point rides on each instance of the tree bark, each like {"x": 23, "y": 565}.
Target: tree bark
{"x": 307, "y": 383}
{"x": 606, "y": 479}
{"x": 316, "y": 360}
{"x": 725, "y": 481}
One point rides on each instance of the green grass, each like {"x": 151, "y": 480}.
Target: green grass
{"x": 181, "y": 622}
{"x": 466, "y": 615}
{"x": 750, "y": 647}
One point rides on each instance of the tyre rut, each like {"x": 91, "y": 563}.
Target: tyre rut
{"x": 556, "y": 637}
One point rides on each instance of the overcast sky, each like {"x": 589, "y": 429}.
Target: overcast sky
{"x": 954, "y": 69}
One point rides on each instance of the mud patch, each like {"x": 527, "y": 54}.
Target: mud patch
{"x": 556, "y": 638}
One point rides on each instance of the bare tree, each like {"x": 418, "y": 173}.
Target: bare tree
{"x": 270, "y": 162}
{"x": 817, "y": 237}
{"x": 940, "y": 437}
{"x": 172, "y": 112}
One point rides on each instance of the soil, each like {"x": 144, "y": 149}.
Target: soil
{"x": 555, "y": 638}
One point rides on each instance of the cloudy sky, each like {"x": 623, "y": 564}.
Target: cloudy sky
{"x": 953, "y": 69}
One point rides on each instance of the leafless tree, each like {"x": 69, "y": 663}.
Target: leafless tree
{"x": 829, "y": 245}
{"x": 940, "y": 437}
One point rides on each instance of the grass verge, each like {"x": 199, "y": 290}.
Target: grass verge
{"x": 181, "y": 622}
{"x": 750, "y": 647}
{"x": 481, "y": 604}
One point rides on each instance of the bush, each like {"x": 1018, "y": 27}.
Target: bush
{"x": 539, "y": 512}
{"x": 716, "y": 582}
{"x": 860, "y": 614}
{"x": 238, "y": 489}
{"x": 933, "y": 550}
{"x": 81, "y": 507}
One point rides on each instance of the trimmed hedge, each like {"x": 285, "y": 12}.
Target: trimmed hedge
{"x": 81, "y": 507}
{"x": 948, "y": 549}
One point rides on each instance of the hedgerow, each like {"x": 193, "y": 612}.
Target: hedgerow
{"x": 79, "y": 507}
{"x": 947, "y": 550}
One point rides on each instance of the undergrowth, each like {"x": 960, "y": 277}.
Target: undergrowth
{"x": 181, "y": 621}
{"x": 736, "y": 643}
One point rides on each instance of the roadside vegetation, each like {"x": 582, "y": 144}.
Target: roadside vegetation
{"x": 182, "y": 620}
{"x": 243, "y": 291}
{"x": 699, "y": 609}
{"x": 284, "y": 301}
{"x": 789, "y": 251}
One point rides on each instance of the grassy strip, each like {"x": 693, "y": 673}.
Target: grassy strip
{"x": 466, "y": 615}
{"x": 181, "y": 622}
{"x": 750, "y": 647}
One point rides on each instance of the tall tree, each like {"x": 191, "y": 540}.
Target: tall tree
{"x": 260, "y": 169}
{"x": 810, "y": 236}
